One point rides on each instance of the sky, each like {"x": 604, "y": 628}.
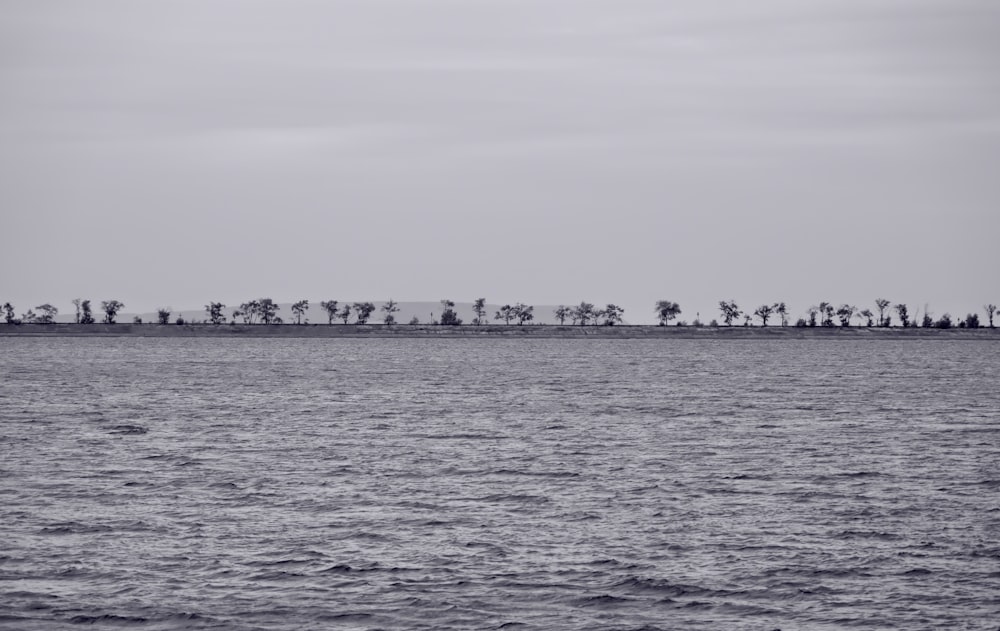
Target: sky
{"x": 540, "y": 151}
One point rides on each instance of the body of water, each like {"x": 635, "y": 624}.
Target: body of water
{"x": 501, "y": 483}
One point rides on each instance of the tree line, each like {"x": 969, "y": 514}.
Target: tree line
{"x": 823, "y": 314}
{"x": 265, "y": 311}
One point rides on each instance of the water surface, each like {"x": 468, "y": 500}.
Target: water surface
{"x": 502, "y": 483}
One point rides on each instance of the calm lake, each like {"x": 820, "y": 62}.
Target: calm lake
{"x": 499, "y": 483}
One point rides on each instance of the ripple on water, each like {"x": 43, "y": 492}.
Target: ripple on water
{"x": 434, "y": 484}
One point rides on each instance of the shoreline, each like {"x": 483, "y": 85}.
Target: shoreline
{"x": 538, "y": 331}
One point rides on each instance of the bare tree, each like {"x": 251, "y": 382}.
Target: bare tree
{"x": 990, "y": 310}
{"x": 764, "y": 312}
{"x": 730, "y": 311}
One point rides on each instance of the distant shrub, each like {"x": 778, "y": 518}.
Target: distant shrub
{"x": 971, "y": 321}
{"x": 414, "y": 321}
{"x": 927, "y": 322}
{"x": 136, "y": 320}
{"x": 682, "y": 323}
{"x": 714, "y": 322}
{"x": 179, "y": 320}
{"x": 163, "y": 315}
{"x": 697, "y": 322}
{"x": 944, "y": 322}
{"x": 801, "y": 322}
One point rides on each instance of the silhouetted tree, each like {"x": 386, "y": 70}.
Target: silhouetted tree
{"x": 666, "y": 311}
{"x": 524, "y": 313}
{"x": 562, "y": 312}
{"x": 583, "y": 313}
{"x": 448, "y": 315}
{"x": 250, "y": 311}
{"x": 48, "y": 313}
{"x": 163, "y": 315}
{"x": 299, "y": 310}
{"x": 613, "y": 315}
{"x": 111, "y": 309}
{"x": 730, "y": 311}
{"x": 944, "y": 322}
{"x": 87, "y": 316}
{"x": 389, "y": 309}
{"x": 596, "y": 316}
{"x": 764, "y": 313}
{"x": 29, "y": 317}
{"x": 76, "y": 303}
{"x": 214, "y": 311}
{"x": 990, "y": 310}
{"x": 971, "y": 321}
{"x": 8, "y": 310}
{"x": 927, "y": 321}
{"x": 868, "y": 315}
{"x": 330, "y": 306}
{"x": 505, "y": 313}
{"x": 345, "y": 313}
{"x": 268, "y": 311}
{"x": 414, "y": 321}
{"x": 479, "y": 308}
{"x": 845, "y": 312}
{"x": 362, "y": 311}
{"x": 904, "y": 314}
{"x": 812, "y": 312}
{"x": 782, "y": 310}
{"x": 180, "y": 320}
{"x": 882, "y": 304}
{"x": 826, "y": 313}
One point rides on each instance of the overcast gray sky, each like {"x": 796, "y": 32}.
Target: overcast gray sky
{"x": 544, "y": 151}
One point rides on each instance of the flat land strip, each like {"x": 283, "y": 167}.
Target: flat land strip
{"x": 541, "y": 331}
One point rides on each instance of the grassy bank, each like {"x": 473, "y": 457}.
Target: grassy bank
{"x": 534, "y": 331}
